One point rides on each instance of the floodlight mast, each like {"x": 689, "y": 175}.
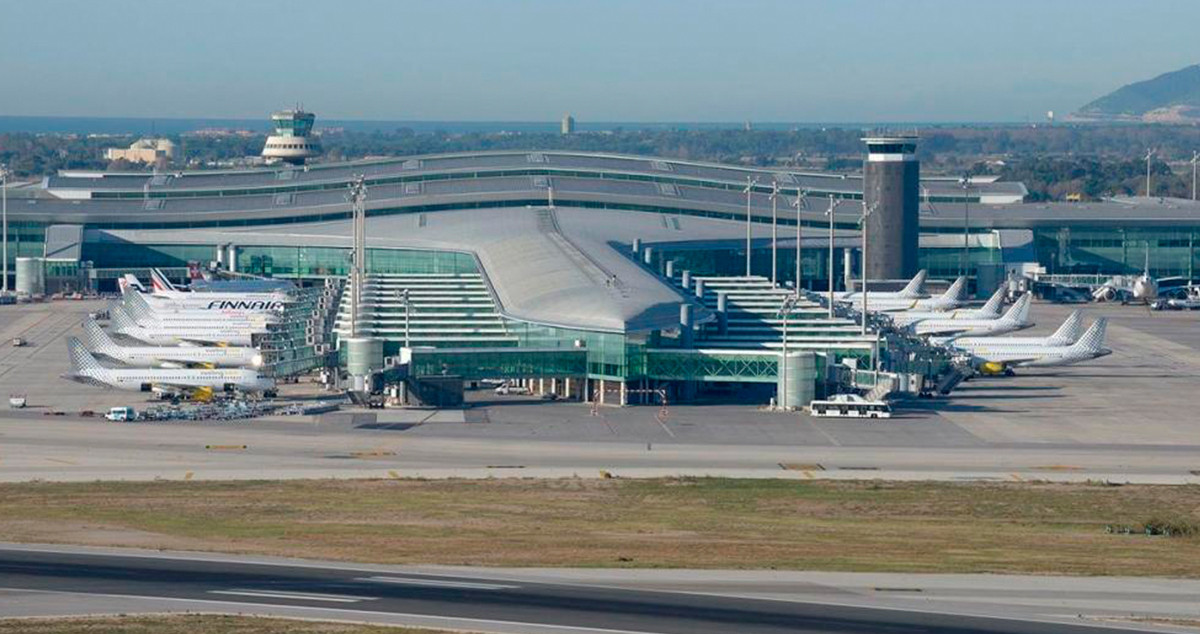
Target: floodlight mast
{"x": 801, "y": 202}
{"x": 866, "y": 213}
{"x": 750, "y": 183}
{"x": 4, "y": 231}
{"x": 785, "y": 311}
{"x": 774, "y": 232}
{"x": 358, "y": 198}
{"x": 1195, "y": 159}
{"x": 833, "y": 203}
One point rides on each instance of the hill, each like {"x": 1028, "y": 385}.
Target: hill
{"x": 1171, "y": 97}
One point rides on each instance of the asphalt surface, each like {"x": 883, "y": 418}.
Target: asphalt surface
{"x": 366, "y": 594}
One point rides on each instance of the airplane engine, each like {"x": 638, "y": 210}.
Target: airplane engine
{"x": 229, "y": 388}
{"x": 147, "y": 387}
{"x": 1105, "y": 294}
{"x": 992, "y": 368}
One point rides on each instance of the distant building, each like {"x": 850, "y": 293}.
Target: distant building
{"x": 568, "y": 124}
{"x": 149, "y": 151}
{"x": 292, "y": 140}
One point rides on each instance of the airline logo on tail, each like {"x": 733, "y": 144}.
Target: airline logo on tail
{"x": 160, "y": 282}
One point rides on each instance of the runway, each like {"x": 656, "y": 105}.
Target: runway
{"x": 51, "y": 581}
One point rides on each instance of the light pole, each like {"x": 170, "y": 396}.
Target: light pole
{"x": 1195, "y": 159}
{"x": 4, "y": 193}
{"x": 750, "y": 183}
{"x": 774, "y": 232}
{"x": 866, "y": 213}
{"x": 1149, "y": 156}
{"x": 833, "y": 203}
{"x": 785, "y": 310}
{"x": 966, "y": 252}
{"x": 407, "y": 303}
{"x": 358, "y": 197}
{"x": 801, "y": 202}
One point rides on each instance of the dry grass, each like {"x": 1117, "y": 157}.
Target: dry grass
{"x": 192, "y": 624}
{"x": 695, "y": 523}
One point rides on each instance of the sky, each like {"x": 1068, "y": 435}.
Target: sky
{"x": 601, "y": 60}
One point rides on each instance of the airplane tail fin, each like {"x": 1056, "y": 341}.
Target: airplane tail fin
{"x": 1069, "y": 332}
{"x": 82, "y": 361}
{"x": 1093, "y": 339}
{"x": 1018, "y": 313}
{"x": 160, "y": 282}
{"x": 956, "y": 290}
{"x": 96, "y": 339}
{"x": 992, "y": 307}
{"x": 916, "y": 287}
{"x": 130, "y": 280}
{"x": 120, "y": 319}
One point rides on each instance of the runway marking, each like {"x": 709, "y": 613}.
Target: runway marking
{"x": 59, "y": 461}
{"x": 467, "y": 585}
{"x": 306, "y": 596}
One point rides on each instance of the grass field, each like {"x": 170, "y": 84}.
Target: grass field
{"x": 193, "y": 624}
{"x": 695, "y": 523}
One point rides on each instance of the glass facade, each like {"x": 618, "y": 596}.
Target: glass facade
{"x": 1119, "y": 250}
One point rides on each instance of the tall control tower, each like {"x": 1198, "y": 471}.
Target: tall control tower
{"x": 890, "y": 188}
{"x": 292, "y": 141}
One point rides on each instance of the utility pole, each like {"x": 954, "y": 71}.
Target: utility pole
{"x": 800, "y": 203}
{"x": 774, "y": 232}
{"x": 866, "y": 213}
{"x": 407, "y": 303}
{"x": 358, "y": 198}
{"x": 829, "y": 212}
{"x": 4, "y": 193}
{"x": 750, "y": 183}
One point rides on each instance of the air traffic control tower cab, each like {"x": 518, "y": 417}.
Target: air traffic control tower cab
{"x": 292, "y": 140}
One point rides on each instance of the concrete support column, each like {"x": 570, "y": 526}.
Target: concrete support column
{"x": 637, "y": 246}
{"x": 554, "y": 385}
{"x": 648, "y": 256}
{"x": 624, "y": 395}
{"x": 847, "y": 267}
{"x": 686, "y": 280}
{"x": 541, "y": 386}
{"x": 670, "y": 269}
{"x": 602, "y": 390}
{"x": 700, "y": 289}
{"x": 686, "y": 330}
{"x": 231, "y": 254}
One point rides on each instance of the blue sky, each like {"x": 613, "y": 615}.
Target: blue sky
{"x": 613, "y": 60}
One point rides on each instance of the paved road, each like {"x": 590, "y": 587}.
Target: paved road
{"x": 449, "y": 600}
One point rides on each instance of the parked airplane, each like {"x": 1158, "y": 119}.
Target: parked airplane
{"x": 1016, "y": 318}
{"x": 129, "y": 280}
{"x": 949, "y": 300}
{"x": 163, "y": 289}
{"x": 86, "y": 369}
{"x": 1067, "y": 334}
{"x": 141, "y": 308}
{"x": 990, "y": 310}
{"x": 100, "y": 343}
{"x": 162, "y": 334}
{"x": 1002, "y": 359}
{"x": 915, "y": 289}
{"x": 1143, "y": 289}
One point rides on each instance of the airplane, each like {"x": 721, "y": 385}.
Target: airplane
{"x": 86, "y": 369}
{"x": 99, "y": 343}
{"x": 915, "y": 289}
{"x": 1143, "y": 290}
{"x": 139, "y": 306}
{"x": 163, "y": 289}
{"x": 129, "y": 280}
{"x": 991, "y": 360}
{"x": 1067, "y": 334}
{"x": 990, "y": 310}
{"x": 1017, "y": 318}
{"x": 161, "y": 334}
{"x": 949, "y": 300}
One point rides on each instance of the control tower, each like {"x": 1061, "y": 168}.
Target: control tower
{"x": 291, "y": 141}
{"x": 890, "y": 187}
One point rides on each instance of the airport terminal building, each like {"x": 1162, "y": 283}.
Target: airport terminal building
{"x": 621, "y": 272}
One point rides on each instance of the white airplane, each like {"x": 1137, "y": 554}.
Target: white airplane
{"x": 990, "y": 310}
{"x": 163, "y": 289}
{"x": 1002, "y": 359}
{"x": 915, "y": 289}
{"x": 1017, "y": 318}
{"x": 100, "y": 343}
{"x": 198, "y": 382}
{"x": 949, "y": 300}
{"x": 1067, "y": 334}
{"x": 157, "y": 334}
{"x": 141, "y": 308}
